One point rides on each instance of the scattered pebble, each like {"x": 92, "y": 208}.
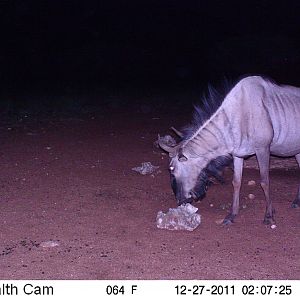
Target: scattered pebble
{"x": 49, "y": 244}
{"x": 219, "y": 221}
{"x": 251, "y": 182}
{"x": 251, "y": 196}
{"x": 244, "y": 206}
{"x": 211, "y": 205}
{"x": 184, "y": 217}
{"x": 48, "y": 148}
{"x": 225, "y": 206}
{"x": 273, "y": 226}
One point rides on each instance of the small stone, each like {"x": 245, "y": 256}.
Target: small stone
{"x": 273, "y": 226}
{"x": 211, "y": 205}
{"x": 49, "y": 244}
{"x": 223, "y": 206}
{"x": 251, "y": 196}
{"x": 251, "y": 182}
{"x": 219, "y": 221}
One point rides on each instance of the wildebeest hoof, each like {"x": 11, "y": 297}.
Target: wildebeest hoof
{"x": 268, "y": 221}
{"x": 229, "y": 219}
{"x": 227, "y": 222}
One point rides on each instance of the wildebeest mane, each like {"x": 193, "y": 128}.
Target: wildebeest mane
{"x": 211, "y": 101}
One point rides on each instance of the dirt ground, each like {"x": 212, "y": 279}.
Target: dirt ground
{"x": 69, "y": 180}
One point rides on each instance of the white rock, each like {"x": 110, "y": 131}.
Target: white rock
{"x": 146, "y": 168}
{"x": 184, "y": 217}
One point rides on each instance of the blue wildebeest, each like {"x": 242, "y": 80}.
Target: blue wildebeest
{"x": 256, "y": 117}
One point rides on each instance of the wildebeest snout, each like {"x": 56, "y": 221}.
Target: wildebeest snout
{"x": 184, "y": 201}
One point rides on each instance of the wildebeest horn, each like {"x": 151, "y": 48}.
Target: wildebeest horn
{"x": 171, "y": 150}
{"x": 180, "y": 134}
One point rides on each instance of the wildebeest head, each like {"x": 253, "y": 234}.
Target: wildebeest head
{"x": 190, "y": 174}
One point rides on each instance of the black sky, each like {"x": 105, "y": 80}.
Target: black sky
{"x": 59, "y": 44}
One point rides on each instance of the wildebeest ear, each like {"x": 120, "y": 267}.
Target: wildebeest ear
{"x": 181, "y": 156}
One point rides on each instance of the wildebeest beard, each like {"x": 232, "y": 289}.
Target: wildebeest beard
{"x": 213, "y": 169}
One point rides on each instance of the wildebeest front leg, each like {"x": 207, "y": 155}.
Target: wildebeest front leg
{"x": 296, "y": 202}
{"x": 236, "y": 182}
{"x": 263, "y": 159}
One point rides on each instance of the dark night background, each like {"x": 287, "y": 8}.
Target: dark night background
{"x": 85, "y": 89}
{"x": 63, "y": 49}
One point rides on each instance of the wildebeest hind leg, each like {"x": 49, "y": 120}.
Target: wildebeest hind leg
{"x": 236, "y": 182}
{"x": 263, "y": 159}
{"x": 296, "y": 202}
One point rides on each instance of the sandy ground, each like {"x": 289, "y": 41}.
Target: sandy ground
{"x": 69, "y": 181}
